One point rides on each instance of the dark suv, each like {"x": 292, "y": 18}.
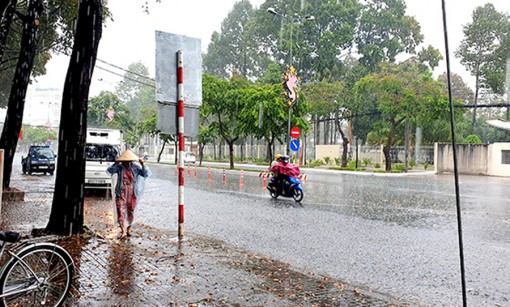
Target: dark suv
{"x": 40, "y": 159}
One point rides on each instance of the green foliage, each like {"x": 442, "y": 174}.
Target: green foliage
{"x": 385, "y": 31}
{"x": 400, "y": 93}
{"x": 315, "y": 163}
{"x": 399, "y": 168}
{"x": 367, "y": 161}
{"x": 377, "y": 165}
{"x": 37, "y": 136}
{"x": 426, "y": 165}
{"x": 326, "y": 160}
{"x": 55, "y": 34}
{"x": 232, "y": 51}
{"x": 472, "y": 139}
{"x": 316, "y": 45}
{"x": 412, "y": 163}
{"x": 338, "y": 161}
{"x": 136, "y": 91}
{"x": 486, "y": 46}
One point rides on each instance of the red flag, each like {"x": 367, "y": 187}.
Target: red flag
{"x": 20, "y": 135}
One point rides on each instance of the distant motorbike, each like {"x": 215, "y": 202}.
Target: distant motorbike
{"x": 288, "y": 188}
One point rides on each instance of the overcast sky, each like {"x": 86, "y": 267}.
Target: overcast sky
{"x": 130, "y": 37}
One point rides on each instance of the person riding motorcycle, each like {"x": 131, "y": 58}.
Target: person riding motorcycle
{"x": 277, "y": 159}
{"x": 282, "y": 171}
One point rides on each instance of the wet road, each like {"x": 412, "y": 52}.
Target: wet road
{"x": 393, "y": 234}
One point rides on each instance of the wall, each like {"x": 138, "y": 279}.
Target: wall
{"x": 331, "y": 151}
{"x": 495, "y": 165}
{"x": 480, "y": 159}
{"x": 471, "y": 159}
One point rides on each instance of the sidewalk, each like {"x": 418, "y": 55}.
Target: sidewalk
{"x": 152, "y": 268}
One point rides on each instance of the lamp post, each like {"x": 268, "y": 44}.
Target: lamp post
{"x": 291, "y": 72}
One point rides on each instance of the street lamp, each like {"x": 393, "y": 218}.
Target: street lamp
{"x": 294, "y": 20}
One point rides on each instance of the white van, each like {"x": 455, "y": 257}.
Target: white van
{"x": 103, "y": 147}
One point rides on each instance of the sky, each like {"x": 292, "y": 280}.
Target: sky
{"x": 130, "y": 37}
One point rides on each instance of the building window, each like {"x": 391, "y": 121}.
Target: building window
{"x": 505, "y": 157}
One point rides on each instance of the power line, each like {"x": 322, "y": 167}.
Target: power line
{"x": 134, "y": 73}
{"x": 126, "y": 77}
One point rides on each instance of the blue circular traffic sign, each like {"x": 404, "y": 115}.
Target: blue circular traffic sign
{"x": 294, "y": 145}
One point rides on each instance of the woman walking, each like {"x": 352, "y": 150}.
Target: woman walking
{"x": 129, "y": 187}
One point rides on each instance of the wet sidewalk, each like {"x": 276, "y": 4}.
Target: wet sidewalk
{"x": 153, "y": 268}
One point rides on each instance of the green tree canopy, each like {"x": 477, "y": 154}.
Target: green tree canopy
{"x": 385, "y": 31}
{"x": 485, "y": 49}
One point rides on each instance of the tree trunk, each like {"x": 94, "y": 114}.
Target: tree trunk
{"x": 7, "y": 9}
{"x": 67, "y": 209}
{"x": 387, "y": 157}
{"x": 269, "y": 151}
{"x": 16, "y": 104}
{"x": 406, "y": 157}
{"x": 387, "y": 148}
{"x": 201, "y": 152}
{"x": 345, "y": 141}
{"x": 161, "y": 151}
{"x": 231, "y": 153}
{"x": 477, "y": 91}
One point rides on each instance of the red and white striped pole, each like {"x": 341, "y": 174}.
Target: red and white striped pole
{"x": 180, "y": 134}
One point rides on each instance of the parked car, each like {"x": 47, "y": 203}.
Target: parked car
{"x": 189, "y": 158}
{"x": 40, "y": 159}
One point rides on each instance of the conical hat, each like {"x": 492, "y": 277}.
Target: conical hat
{"x": 128, "y": 156}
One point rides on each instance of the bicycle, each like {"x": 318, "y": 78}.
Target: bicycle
{"x": 38, "y": 273}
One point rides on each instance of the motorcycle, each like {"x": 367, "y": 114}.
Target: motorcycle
{"x": 288, "y": 188}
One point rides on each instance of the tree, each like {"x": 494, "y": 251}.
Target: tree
{"x": 54, "y": 34}
{"x": 484, "y": 50}
{"x": 227, "y": 102}
{"x": 430, "y": 57}
{"x": 67, "y": 208}
{"x": 384, "y": 31}
{"x": 317, "y": 45}
{"x": 267, "y": 117}
{"x": 14, "y": 116}
{"x": 37, "y": 135}
{"x": 136, "y": 91}
{"x": 230, "y": 51}
{"x": 107, "y": 111}
{"x": 401, "y": 93}
{"x": 329, "y": 101}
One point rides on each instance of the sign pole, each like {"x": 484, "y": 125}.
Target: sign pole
{"x": 180, "y": 129}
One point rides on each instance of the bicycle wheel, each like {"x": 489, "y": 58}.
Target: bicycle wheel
{"x": 41, "y": 275}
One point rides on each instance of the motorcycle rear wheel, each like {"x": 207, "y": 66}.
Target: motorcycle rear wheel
{"x": 297, "y": 195}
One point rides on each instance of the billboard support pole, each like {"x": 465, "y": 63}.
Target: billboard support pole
{"x": 180, "y": 129}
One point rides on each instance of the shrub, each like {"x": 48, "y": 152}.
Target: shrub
{"x": 367, "y": 161}
{"x": 426, "y": 165}
{"x": 377, "y": 165}
{"x": 326, "y": 159}
{"x": 472, "y": 139}
{"x": 412, "y": 163}
{"x": 338, "y": 161}
{"x": 351, "y": 164}
{"x": 314, "y": 163}
{"x": 398, "y": 168}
